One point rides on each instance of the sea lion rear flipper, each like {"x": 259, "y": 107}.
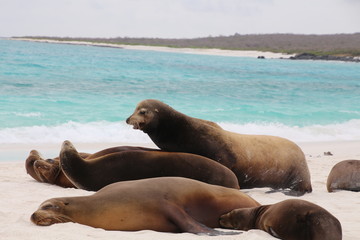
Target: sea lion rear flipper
{"x": 186, "y": 223}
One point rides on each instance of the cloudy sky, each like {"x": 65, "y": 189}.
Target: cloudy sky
{"x": 176, "y": 18}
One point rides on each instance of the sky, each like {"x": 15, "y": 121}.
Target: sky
{"x": 176, "y": 18}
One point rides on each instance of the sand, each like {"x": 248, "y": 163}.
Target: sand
{"x": 21, "y": 195}
{"x": 203, "y": 51}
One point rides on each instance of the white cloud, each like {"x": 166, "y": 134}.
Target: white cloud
{"x": 176, "y": 18}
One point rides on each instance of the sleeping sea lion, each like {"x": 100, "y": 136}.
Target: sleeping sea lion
{"x": 46, "y": 170}
{"x": 135, "y": 164}
{"x": 289, "y": 220}
{"x": 257, "y": 160}
{"x": 166, "y": 204}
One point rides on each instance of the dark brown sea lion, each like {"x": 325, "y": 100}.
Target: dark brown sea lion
{"x": 134, "y": 164}
{"x": 289, "y": 220}
{"x": 49, "y": 171}
{"x": 166, "y": 204}
{"x": 257, "y": 160}
{"x": 345, "y": 175}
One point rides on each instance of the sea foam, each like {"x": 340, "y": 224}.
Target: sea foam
{"x": 118, "y": 132}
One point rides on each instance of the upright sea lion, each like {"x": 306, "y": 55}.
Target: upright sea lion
{"x": 257, "y": 160}
{"x": 135, "y": 164}
{"x": 345, "y": 175}
{"x": 166, "y": 204}
{"x": 289, "y": 220}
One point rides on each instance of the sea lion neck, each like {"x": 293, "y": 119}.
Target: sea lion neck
{"x": 257, "y": 215}
{"x": 169, "y": 122}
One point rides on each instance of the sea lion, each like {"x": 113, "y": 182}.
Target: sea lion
{"x": 290, "y": 220}
{"x": 257, "y": 160}
{"x": 49, "y": 171}
{"x": 46, "y": 170}
{"x": 345, "y": 175}
{"x": 166, "y": 204}
{"x": 135, "y": 164}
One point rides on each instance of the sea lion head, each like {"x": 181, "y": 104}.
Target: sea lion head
{"x": 42, "y": 170}
{"x": 50, "y": 212}
{"x": 241, "y": 219}
{"x": 47, "y": 170}
{"x": 145, "y": 116}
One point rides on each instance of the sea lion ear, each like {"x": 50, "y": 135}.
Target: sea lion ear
{"x": 156, "y": 110}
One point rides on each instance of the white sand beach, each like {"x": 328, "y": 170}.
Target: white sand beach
{"x": 21, "y": 195}
{"x": 203, "y": 51}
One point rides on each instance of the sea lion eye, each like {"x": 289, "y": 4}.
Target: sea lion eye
{"x": 49, "y": 160}
{"x": 142, "y": 111}
{"x": 48, "y": 206}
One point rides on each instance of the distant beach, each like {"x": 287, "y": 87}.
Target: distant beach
{"x": 203, "y": 51}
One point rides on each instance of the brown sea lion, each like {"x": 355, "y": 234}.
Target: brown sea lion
{"x": 166, "y": 204}
{"x": 345, "y": 175}
{"x": 257, "y": 160}
{"x": 134, "y": 164}
{"x": 46, "y": 170}
{"x": 49, "y": 171}
{"x": 289, "y": 220}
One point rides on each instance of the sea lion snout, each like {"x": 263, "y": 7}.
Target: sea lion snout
{"x": 50, "y": 212}
{"x": 136, "y": 120}
{"x": 131, "y": 121}
{"x": 224, "y": 221}
{"x": 67, "y": 144}
{"x": 34, "y": 218}
{"x": 42, "y": 218}
{"x": 128, "y": 119}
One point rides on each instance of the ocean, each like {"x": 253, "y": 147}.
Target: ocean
{"x": 53, "y": 92}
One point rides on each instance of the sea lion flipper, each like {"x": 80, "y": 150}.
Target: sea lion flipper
{"x": 72, "y": 163}
{"x": 186, "y": 223}
{"x": 29, "y": 164}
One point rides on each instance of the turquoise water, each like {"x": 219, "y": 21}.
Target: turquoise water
{"x": 84, "y": 93}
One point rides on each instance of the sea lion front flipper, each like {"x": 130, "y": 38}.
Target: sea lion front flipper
{"x": 186, "y": 223}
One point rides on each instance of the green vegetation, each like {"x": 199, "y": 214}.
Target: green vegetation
{"x": 334, "y": 44}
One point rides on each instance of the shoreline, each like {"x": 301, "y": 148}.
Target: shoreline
{"x": 15, "y": 152}
{"x": 21, "y": 195}
{"x": 305, "y": 56}
{"x": 200, "y": 51}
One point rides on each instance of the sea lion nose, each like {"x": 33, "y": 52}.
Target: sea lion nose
{"x": 33, "y": 217}
{"x": 223, "y": 222}
{"x": 128, "y": 120}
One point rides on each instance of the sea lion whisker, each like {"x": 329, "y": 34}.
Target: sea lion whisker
{"x": 47, "y": 221}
